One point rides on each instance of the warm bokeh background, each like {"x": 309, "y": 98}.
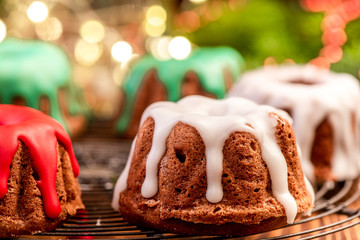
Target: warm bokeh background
{"x": 103, "y": 36}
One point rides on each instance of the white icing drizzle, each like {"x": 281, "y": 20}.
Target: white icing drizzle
{"x": 121, "y": 182}
{"x": 215, "y": 120}
{"x": 310, "y": 189}
{"x": 332, "y": 95}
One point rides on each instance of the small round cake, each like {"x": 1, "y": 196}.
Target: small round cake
{"x": 221, "y": 167}
{"x": 38, "y": 74}
{"x": 207, "y": 71}
{"x": 324, "y": 106}
{"x": 38, "y": 170}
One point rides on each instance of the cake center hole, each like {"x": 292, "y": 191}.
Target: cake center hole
{"x": 303, "y": 82}
{"x": 180, "y": 155}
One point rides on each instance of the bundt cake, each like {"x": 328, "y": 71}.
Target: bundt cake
{"x": 38, "y": 74}
{"x": 219, "y": 167}
{"x": 207, "y": 71}
{"x": 324, "y": 106}
{"x": 38, "y": 170}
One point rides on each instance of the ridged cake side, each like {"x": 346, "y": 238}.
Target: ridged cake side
{"x": 21, "y": 210}
{"x": 180, "y": 205}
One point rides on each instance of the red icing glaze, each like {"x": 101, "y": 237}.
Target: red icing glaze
{"x": 40, "y": 133}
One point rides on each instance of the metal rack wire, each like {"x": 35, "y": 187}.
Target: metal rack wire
{"x": 335, "y": 210}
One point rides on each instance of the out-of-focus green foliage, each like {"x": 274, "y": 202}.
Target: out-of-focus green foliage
{"x": 263, "y": 28}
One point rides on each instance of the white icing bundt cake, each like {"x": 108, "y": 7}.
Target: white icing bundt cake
{"x": 324, "y": 106}
{"x": 205, "y": 166}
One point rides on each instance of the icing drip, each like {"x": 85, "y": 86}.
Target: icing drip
{"x": 208, "y": 64}
{"x": 28, "y": 73}
{"x": 120, "y": 186}
{"x": 310, "y": 189}
{"x": 215, "y": 120}
{"x": 40, "y": 133}
{"x": 330, "y": 95}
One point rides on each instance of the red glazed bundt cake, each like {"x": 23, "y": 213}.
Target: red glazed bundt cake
{"x": 324, "y": 107}
{"x": 38, "y": 170}
{"x": 219, "y": 167}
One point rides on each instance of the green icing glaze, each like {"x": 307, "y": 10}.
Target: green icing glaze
{"x": 32, "y": 69}
{"x": 207, "y": 63}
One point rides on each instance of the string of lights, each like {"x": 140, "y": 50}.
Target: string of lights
{"x": 338, "y": 14}
{"x": 90, "y": 40}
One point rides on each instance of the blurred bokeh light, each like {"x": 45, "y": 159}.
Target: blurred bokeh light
{"x": 156, "y": 15}
{"x": 92, "y": 31}
{"x": 158, "y": 47}
{"x": 155, "y": 20}
{"x": 37, "y": 11}
{"x": 121, "y": 51}
{"x": 2, "y": 30}
{"x": 87, "y": 53}
{"x": 179, "y": 48}
{"x": 197, "y": 1}
{"x": 50, "y": 29}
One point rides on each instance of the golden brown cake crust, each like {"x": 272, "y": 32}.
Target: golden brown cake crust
{"x": 144, "y": 98}
{"x": 180, "y": 206}
{"x": 21, "y": 210}
{"x": 195, "y": 229}
{"x": 192, "y": 86}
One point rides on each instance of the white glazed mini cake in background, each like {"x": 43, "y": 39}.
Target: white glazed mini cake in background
{"x": 325, "y": 108}
{"x": 205, "y": 166}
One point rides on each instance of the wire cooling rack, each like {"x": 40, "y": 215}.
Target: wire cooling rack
{"x": 336, "y": 211}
